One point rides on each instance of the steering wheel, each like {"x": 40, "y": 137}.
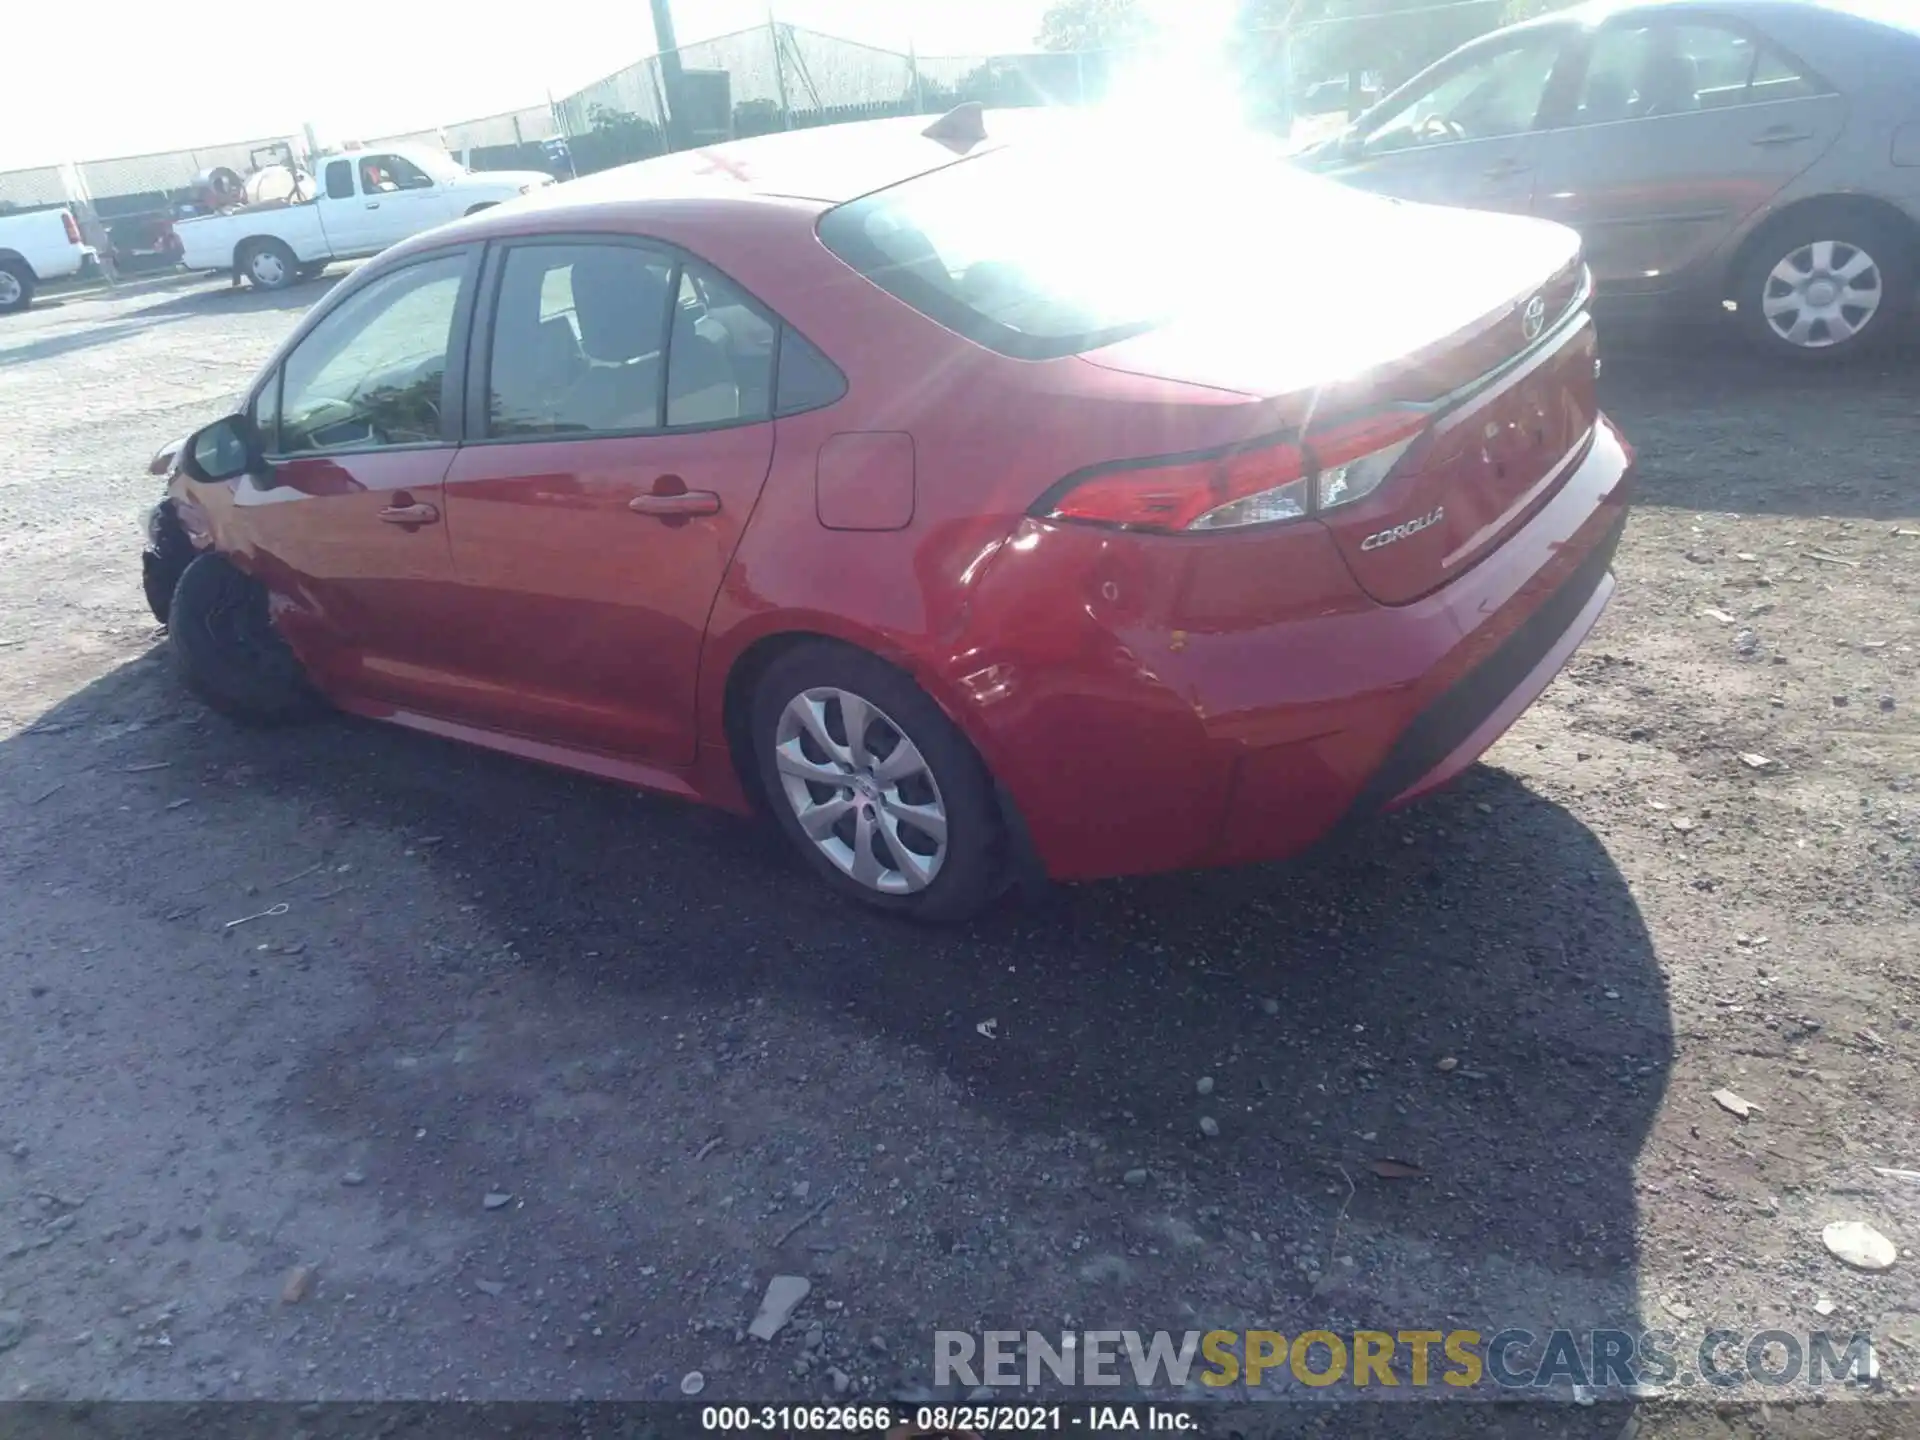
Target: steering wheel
{"x": 1439, "y": 127}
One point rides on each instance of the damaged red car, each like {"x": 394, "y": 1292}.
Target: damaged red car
{"x": 998, "y": 499}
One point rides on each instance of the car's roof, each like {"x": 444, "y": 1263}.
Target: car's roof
{"x": 1898, "y": 13}
{"x": 829, "y": 164}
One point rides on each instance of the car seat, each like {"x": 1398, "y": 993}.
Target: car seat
{"x": 619, "y": 303}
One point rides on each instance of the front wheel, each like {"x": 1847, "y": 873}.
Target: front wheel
{"x": 223, "y": 640}
{"x": 879, "y": 792}
{"x": 269, "y": 265}
{"x": 16, "y": 286}
{"x": 1827, "y": 287}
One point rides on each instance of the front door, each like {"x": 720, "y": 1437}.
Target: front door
{"x": 346, "y": 524}
{"x": 622, "y": 429}
{"x": 1467, "y": 135}
{"x": 394, "y": 198}
{"x": 1681, "y": 130}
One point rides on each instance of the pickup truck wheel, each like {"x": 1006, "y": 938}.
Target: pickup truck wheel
{"x": 16, "y": 286}
{"x": 268, "y": 265}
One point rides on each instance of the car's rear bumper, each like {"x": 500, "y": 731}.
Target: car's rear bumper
{"x": 1152, "y": 747}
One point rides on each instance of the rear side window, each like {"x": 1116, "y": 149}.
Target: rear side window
{"x": 339, "y": 180}
{"x": 1645, "y": 71}
{"x": 808, "y": 380}
{"x": 579, "y": 340}
{"x": 599, "y": 339}
{"x": 720, "y": 364}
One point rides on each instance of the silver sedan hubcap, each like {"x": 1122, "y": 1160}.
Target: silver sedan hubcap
{"x": 267, "y": 268}
{"x": 9, "y": 288}
{"x": 861, "y": 790}
{"x": 1822, "y": 294}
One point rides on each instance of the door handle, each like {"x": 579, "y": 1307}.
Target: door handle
{"x": 410, "y": 514}
{"x": 687, "y": 502}
{"x": 1782, "y": 137}
{"x": 373, "y": 204}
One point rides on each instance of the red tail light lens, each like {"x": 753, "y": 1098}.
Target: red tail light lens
{"x": 1259, "y": 486}
{"x": 73, "y": 229}
{"x": 1177, "y": 495}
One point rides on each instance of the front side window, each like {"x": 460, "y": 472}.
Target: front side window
{"x": 386, "y": 173}
{"x": 266, "y": 414}
{"x": 1494, "y": 96}
{"x": 372, "y": 372}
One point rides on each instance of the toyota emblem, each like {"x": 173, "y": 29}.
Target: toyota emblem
{"x": 1533, "y": 319}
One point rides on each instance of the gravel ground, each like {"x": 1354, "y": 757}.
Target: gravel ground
{"x": 687, "y": 1070}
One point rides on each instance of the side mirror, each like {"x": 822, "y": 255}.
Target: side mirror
{"x": 224, "y": 450}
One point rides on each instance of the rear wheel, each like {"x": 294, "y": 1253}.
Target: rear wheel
{"x": 16, "y": 286}
{"x": 269, "y": 264}
{"x": 1827, "y": 286}
{"x": 223, "y": 640}
{"x": 879, "y": 792}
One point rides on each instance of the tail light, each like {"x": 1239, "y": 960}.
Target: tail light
{"x": 73, "y": 229}
{"x": 1249, "y": 485}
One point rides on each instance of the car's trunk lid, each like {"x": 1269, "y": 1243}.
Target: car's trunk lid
{"x": 1474, "y": 321}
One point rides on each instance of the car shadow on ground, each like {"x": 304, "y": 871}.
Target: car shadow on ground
{"x": 75, "y": 330}
{"x": 1720, "y": 427}
{"x": 1467, "y": 987}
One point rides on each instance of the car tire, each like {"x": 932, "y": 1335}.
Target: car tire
{"x": 940, "y": 876}
{"x": 269, "y": 264}
{"x": 223, "y": 640}
{"x": 1795, "y": 296}
{"x": 16, "y": 289}
{"x": 163, "y": 562}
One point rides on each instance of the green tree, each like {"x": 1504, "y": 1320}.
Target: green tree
{"x": 1093, "y": 25}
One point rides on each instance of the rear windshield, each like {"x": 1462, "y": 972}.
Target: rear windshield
{"x": 1046, "y": 250}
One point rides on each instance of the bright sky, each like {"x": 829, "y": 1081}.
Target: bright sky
{"x": 157, "y": 78}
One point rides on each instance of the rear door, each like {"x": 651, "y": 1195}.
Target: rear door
{"x": 1679, "y": 129}
{"x": 347, "y": 526}
{"x": 1466, "y": 134}
{"x": 621, "y": 424}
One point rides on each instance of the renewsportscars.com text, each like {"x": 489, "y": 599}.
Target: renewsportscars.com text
{"x": 1457, "y": 1360}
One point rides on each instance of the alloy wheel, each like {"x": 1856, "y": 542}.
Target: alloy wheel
{"x": 861, "y": 790}
{"x": 1822, "y": 294}
{"x": 9, "y": 288}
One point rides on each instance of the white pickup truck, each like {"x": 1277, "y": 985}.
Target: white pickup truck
{"x": 39, "y": 246}
{"x": 356, "y": 203}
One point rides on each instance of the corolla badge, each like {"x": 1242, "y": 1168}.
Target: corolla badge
{"x": 1380, "y": 539}
{"x": 1533, "y": 319}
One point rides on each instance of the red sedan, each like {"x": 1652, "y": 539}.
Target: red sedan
{"x": 984, "y": 500}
